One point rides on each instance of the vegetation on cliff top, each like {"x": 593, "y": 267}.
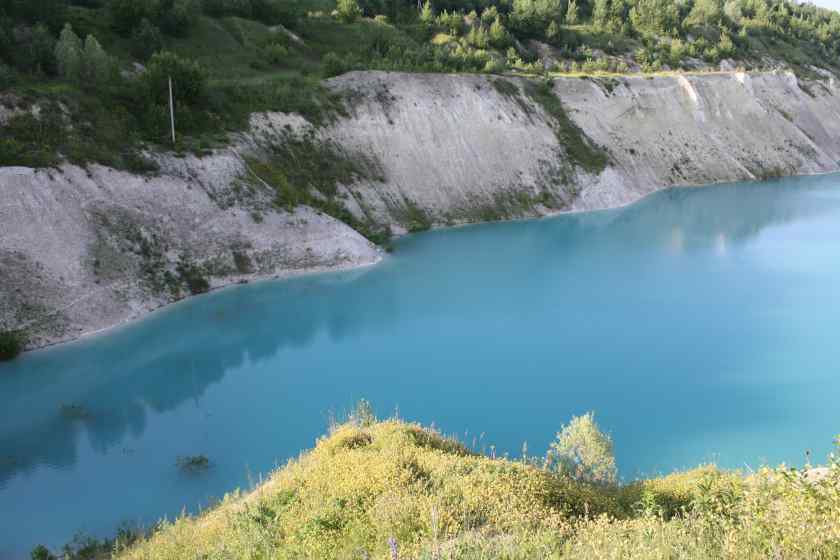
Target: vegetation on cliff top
{"x": 391, "y": 489}
{"x": 99, "y": 69}
{"x": 87, "y": 80}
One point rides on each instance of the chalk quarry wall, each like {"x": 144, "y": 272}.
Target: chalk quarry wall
{"x": 452, "y": 144}
{"x": 85, "y": 249}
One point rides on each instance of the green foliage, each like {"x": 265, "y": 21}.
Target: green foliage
{"x": 427, "y": 15}
{"x": 583, "y": 452}
{"x": 372, "y": 486}
{"x": 334, "y": 65}
{"x": 572, "y": 13}
{"x": 33, "y": 50}
{"x": 146, "y": 40}
{"x": 532, "y": 17}
{"x": 579, "y": 148}
{"x": 86, "y": 63}
{"x": 705, "y": 13}
{"x": 348, "y": 10}
{"x": 655, "y": 16}
{"x": 88, "y": 548}
{"x": 176, "y": 17}
{"x": 499, "y": 36}
{"x": 221, "y": 8}
{"x": 98, "y": 68}
{"x": 32, "y": 141}
{"x": 127, "y": 14}
{"x": 173, "y": 17}
{"x": 275, "y": 53}
{"x": 230, "y": 64}
{"x": 51, "y": 13}
{"x": 193, "y": 276}
{"x": 12, "y": 344}
{"x": 452, "y": 21}
{"x": 41, "y": 552}
{"x": 68, "y": 54}
{"x": 189, "y": 80}
{"x": 414, "y": 218}
{"x": 303, "y": 170}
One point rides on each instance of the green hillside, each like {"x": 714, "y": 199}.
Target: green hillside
{"x": 98, "y": 69}
{"x": 392, "y": 489}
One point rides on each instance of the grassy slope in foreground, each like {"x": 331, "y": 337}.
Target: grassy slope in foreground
{"x": 398, "y": 490}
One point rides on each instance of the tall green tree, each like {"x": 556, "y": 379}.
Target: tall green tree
{"x": 706, "y": 14}
{"x": 655, "y": 16}
{"x": 601, "y": 14}
{"x": 98, "y": 66}
{"x": 572, "y": 13}
{"x": 427, "y": 14}
{"x": 534, "y": 16}
{"x": 69, "y": 54}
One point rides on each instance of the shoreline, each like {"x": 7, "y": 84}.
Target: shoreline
{"x": 288, "y": 275}
{"x": 238, "y": 281}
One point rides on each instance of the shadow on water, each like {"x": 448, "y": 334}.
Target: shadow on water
{"x": 106, "y": 388}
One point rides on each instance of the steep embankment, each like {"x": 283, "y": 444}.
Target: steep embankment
{"x": 397, "y": 490}
{"x": 81, "y": 250}
{"x": 461, "y": 148}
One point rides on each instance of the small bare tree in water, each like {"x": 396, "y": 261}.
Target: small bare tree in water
{"x": 583, "y": 452}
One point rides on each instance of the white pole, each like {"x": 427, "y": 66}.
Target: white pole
{"x": 171, "y": 111}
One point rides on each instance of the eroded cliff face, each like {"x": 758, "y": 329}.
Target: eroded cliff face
{"x": 462, "y": 148}
{"x": 85, "y": 249}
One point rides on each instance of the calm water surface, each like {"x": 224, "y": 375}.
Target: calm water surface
{"x": 700, "y": 325}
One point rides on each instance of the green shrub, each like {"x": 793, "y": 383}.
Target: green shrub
{"x": 275, "y": 53}
{"x": 32, "y": 141}
{"x": 220, "y": 8}
{"x": 126, "y": 15}
{"x": 41, "y": 552}
{"x": 348, "y": 10}
{"x": 8, "y": 78}
{"x": 193, "y": 276}
{"x": 583, "y": 452}
{"x": 12, "y": 344}
{"x": 173, "y": 17}
{"x": 333, "y": 65}
{"x": 303, "y": 170}
{"x": 34, "y": 50}
{"x": 243, "y": 262}
{"x": 146, "y": 40}
{"x": 189, "y": 80}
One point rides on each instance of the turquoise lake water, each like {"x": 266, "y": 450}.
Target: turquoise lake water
{"x": 699, "y": 324}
